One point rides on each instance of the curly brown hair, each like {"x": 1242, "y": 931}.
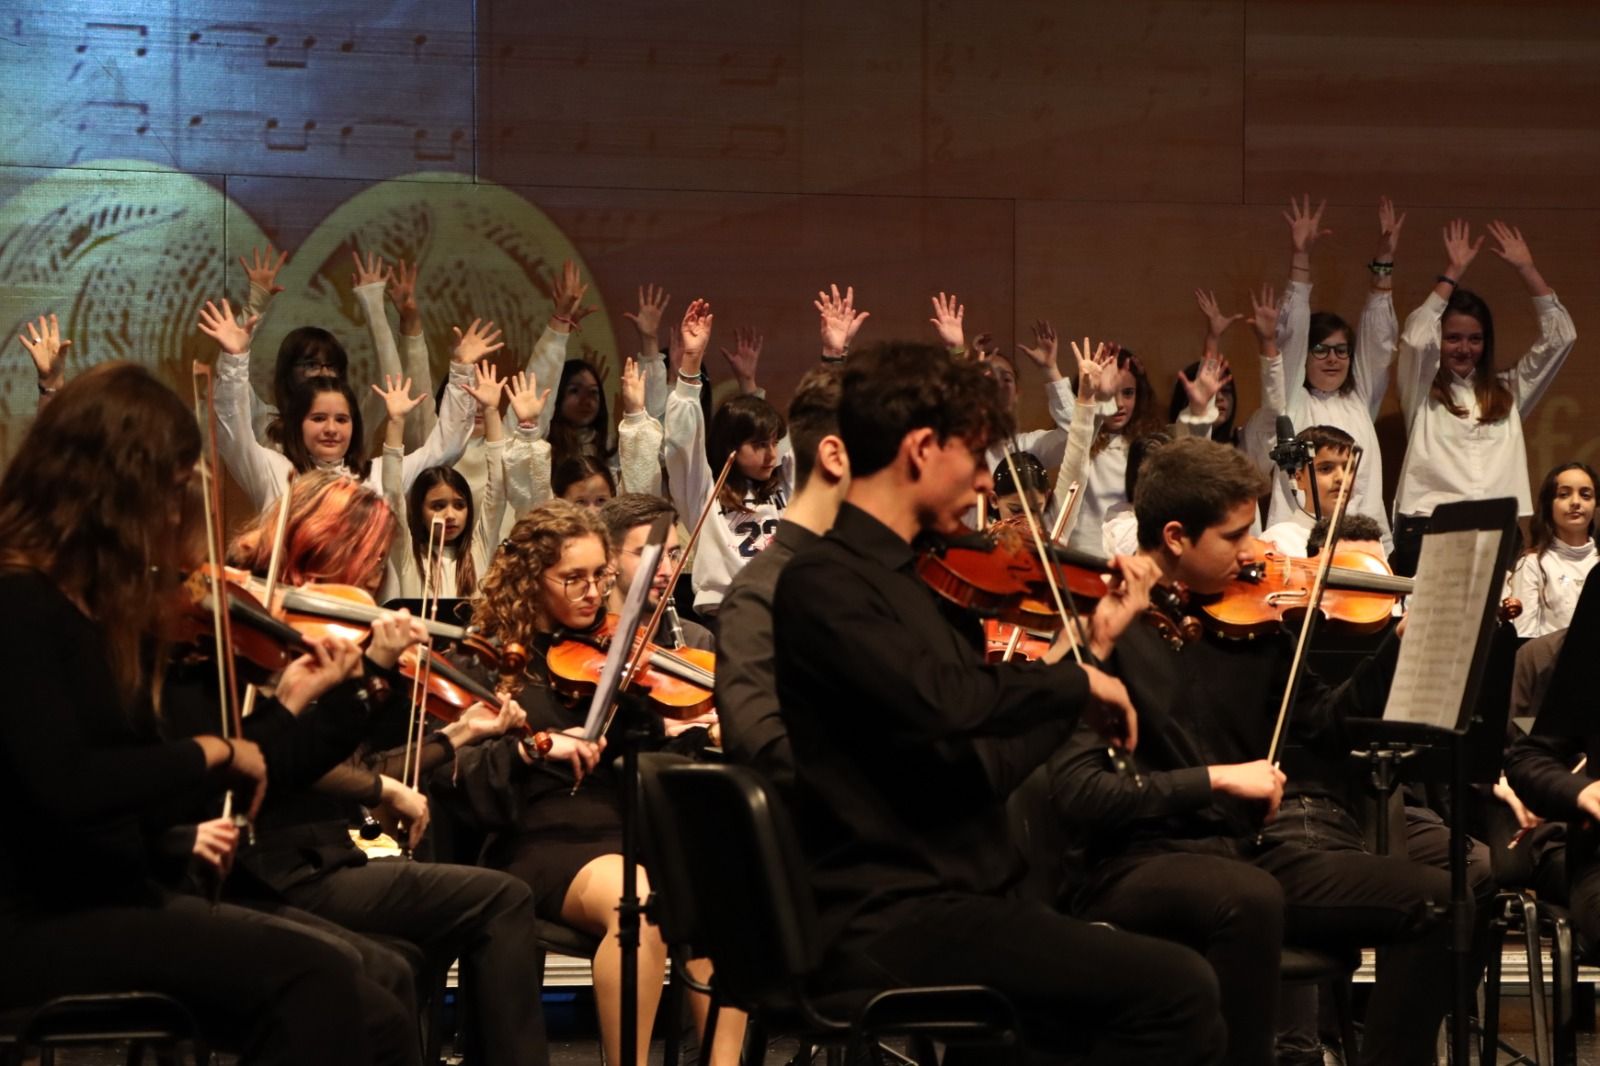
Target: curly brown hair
{"x": 510, "y": 603}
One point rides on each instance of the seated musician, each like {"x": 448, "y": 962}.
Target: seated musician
{"x": 303, "y": 858}
{"x": 747, "y": 694}
{"x": 906, "y": 744}
{"x": 628, "y": 518}
{"x": 92, "y": 543}
{"x": 551, "y": 577}
{"x": 1184, "y": 856}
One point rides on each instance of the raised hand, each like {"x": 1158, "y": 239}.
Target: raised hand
{"x": 397, "y": 398}
{"x": 744, "y": 358}
{"x": 1460, "y": 248}
{"x": 481, "y": 339}
{"x": 527, "y": 402}
{"x": 1388, "y": 230}
{"x": 567, "y": 292}
{"x": 231, "y": 335}
{"x": 1305, "y": 225}
{"x": 487, "y": 386}
{"x": 948, "y": 315}
{"x": 653, "y": 301}
{"x": 694, "y": 333}
{"x": 1208, "y": 380}
{"x": 261, "y": 271}
{"x": 1097, "y": 364}
{"x": 369, "y": 270}
{"x": 49, "y": 351}
{"x": 403, "y": 293}
{"x": 840, "y": 320}
{"x": 1045, "y": 346}
{"x": 1264, "y": 315}
{"x": 632, "y": 388}
{"x": 983, "y": 346}
{"x": 1513, "y": 249}
{"x": 1217, "y": 323}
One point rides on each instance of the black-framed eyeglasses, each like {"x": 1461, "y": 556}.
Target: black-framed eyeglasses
{"x": 672, "y": 555}
{"x": 576, "y": 588}
{"x": 1338, "y": 351}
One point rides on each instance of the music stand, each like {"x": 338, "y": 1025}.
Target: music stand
{"x": 608, "y": 696}
{"x": 1441, "y": 678}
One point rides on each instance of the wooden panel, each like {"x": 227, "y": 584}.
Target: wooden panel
{"x": 1487, "y": 104}
{"x": 1137, "y": 100}
{"x": 637, "y": 95}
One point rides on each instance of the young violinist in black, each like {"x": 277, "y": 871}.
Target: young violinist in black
{"x": 93, "y": 533}
{"x": 1184, "y": 856}
{"x": 551, "y": 577}
{"x": 338, "y": 530}
{"x": 906, "y": 744}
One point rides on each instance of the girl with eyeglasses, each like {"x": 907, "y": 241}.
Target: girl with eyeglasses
{"x": 1321, "y": 372}
{"x": 1463, "y": 416}
{"x": 552, "y": 576}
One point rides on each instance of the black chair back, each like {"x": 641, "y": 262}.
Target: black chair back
{"x": 728, "y": 867}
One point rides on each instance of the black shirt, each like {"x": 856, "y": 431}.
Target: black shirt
{"x": 905, "y": 742}
{"x": 78, "y": 769}
{"x": 747, "y": 692}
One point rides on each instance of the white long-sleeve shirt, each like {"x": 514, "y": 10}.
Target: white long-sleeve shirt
{"x": 262, "y": 472}
{"x": 731, "y": 537}
{"x": 638, "y": 462}
{"x": 1352, "y": 411}
{"x": 1548, "y": 584}
{"x": 1105, "y": 482}
{"x": 403, "y": 580}
{"x": 1450, "y": 458}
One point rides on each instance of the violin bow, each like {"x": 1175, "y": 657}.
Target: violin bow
{"x": 416, "y": 723}
{"x": 1068, "y": 509}
{"x": 222, "y": 620}
{"x": 1314, "y": 602}
{"x": 642, "y": 646}
{"x": 280, "y": 533}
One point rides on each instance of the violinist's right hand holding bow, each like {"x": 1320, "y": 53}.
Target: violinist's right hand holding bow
{"x": 1258, "y": 780}
{"x": 566, "y": 746}
{"x": 402, "y": 811}
{"x": 239, "y": 762}
{"x": 482, "y": 722}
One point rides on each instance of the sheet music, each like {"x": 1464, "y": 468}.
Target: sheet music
{"x": 605, "y": 692}
{"x": 1453, "y": 584}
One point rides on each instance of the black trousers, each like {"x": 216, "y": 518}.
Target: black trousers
{"x": 1583, "y": 897}
{"x": 483, "y": 917}
{"x": 261, "y": 989}
{"x": 1115, "y": 996}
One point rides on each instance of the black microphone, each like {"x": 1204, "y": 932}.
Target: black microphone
{"x": 1290, "y": 454}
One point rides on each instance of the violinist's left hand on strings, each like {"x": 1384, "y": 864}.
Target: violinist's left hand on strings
{"x": 1127, "y": 598}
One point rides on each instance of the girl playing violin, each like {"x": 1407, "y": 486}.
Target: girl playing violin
{"x": 93, "y": 532}
{"x": 552, "y": 576}
{"x": 338, "y": 532}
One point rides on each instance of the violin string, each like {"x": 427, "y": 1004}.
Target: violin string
{"x": 280, "y": 533}
{"x": 1046, "y": 562}
{"x": 1068, "y": 507}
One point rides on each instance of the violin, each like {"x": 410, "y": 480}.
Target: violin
{"x": 258, "y": 636}
{"x": 1360, "y": 595}
{"x": 998, "y": 574}
{"x": 680, "y": 683}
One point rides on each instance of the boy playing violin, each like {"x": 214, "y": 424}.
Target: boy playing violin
{"x": 1185, "y": 856}
{"x": 906, "y": 744}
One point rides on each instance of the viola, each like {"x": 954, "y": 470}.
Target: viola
{"x": 1360, "y": 596}
{"x": 680, "y": 682}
